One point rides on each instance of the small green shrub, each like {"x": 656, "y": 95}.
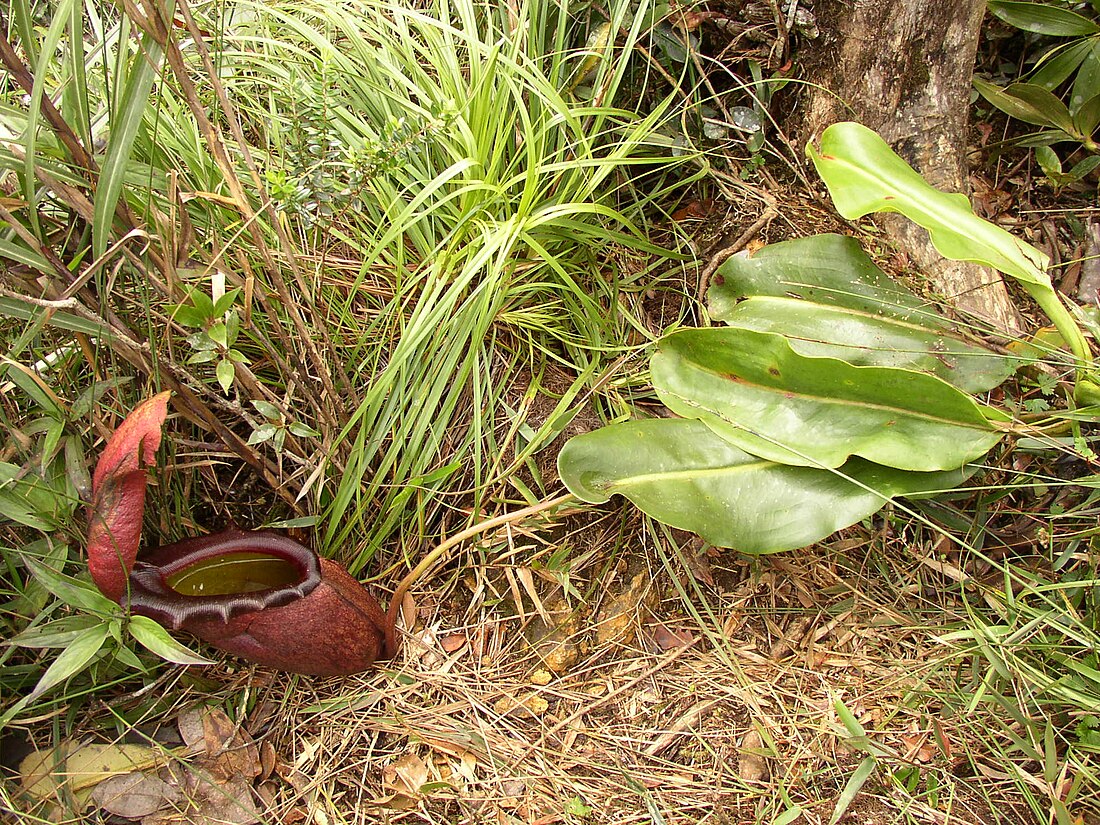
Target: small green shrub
{"x": 1060, "y": 92}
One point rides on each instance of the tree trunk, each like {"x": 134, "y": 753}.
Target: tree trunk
{"x": 904, "y": 69}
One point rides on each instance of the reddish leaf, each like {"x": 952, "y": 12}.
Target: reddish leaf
{"x": 118, "y": 495}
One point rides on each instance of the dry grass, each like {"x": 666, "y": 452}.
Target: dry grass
{"x": 639, "y": 710}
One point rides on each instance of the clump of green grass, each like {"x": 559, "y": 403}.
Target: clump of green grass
{"x": 483, "y": 200}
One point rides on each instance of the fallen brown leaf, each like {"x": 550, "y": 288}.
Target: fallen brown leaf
{"x": 751, "y": 765}
{"x": 210, "y": 803}
{"x": 403, "y": 779}
{"x": 230, "y": 752}
{"x": 453, "y": 642}
{"x": 267, "y": 759}
{"x": 134, "y": 795}
{"x": 669, "y": 639}
{"x": 406, "y": 775}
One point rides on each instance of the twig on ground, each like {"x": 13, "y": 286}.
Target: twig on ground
{"x": 722, "y": 255}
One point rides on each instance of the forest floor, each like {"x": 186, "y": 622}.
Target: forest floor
{"x": 544, "y": 679}
{"x": 593, "y": 666}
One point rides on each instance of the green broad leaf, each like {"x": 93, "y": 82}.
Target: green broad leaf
{"x": 203, "y": 357}
{"x": 1087, "y": 117}
{"x": 865, "y": 175}
{"x": 217, "y": 333}
{"x": 819, "y": 331}
{"x": 188, "y": 315}
{"x": 157, "y": 640}
{"x": 830, "y": 300}
{"x": 14, "y": 508}
{"x": 90, "y": 399}
{"x": 268, "y": 410}
{"x": 1028, "y": 102}
{"x": 224, "y": 303}
{"x": 1083, "y": 167}
{"x": 201, "y": 342}
{"x": 1046, "y": 137}
{"x": 1049, "y": 162}
{"x": 264, "y": 432}
{"x": 51, "y": 442}
{"x": 1057, "y": 65}
{"x": 232, "y": 326}
{"x": 73, "y": 659}
{"x": 1043, "y": 18}
{"x": 754, "y": 390}
{"x": 31, "y": 500}
{"x": 59, "y": 633}
{"x": 224, "y": 372}
{"x": 202, "y": 302}
{"x": 73, "y": 592}
{"x": 830, "y": 270}
{"x": 130, "y": 659}
{"x": 681, "y": 473}
{"x": 1087, "y": 82}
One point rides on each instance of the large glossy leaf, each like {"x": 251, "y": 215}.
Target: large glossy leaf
{"x": 829, "y": 299}
{"x": 682, "y": 474}
{"x": 1043, "y": 18}
{"x": 832, "y": 270}
{"x": 865, "y": 175}
{"x": 1028, "y": 102}
{"x": 755, "y": 391}
{"x": 866, "y": 340}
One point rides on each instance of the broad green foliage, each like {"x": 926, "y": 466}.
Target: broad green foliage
{"x": 1066, "y": 110}
{"x": 826, "y": 270}
{"x": 804, "y": 290}
{"x": 865, "y": 175}
{"x": 682, "y": 473}
{"x": 758, "y": 393}
{"x": 817, "y": 330}
{"x": 831, "y": 390}
{"x": 826, "y": 396}
{"x": 217, "y": 324}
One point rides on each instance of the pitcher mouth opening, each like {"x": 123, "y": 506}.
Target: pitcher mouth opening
{"x": 221, "y": 577}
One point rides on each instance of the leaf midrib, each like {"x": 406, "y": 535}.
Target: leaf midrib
{"x": 672, "y": 475}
